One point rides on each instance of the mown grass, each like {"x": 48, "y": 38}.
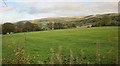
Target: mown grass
{"x": 88, "y": 40}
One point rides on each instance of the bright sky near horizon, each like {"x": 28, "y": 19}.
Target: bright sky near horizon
{"x": 17, "y": 10}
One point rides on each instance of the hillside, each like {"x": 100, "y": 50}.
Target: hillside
{"x": 114, "y": 18}
{"x": 89, "y": 18}
{"x": 58, "y": 19}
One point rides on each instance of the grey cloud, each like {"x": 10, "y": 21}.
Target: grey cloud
{"x": 54, "y": 8}
{"x": 73, "y": 8}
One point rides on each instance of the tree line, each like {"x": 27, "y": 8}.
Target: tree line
{"x": 18, "y": 27}
{"x": 8, "y": 28}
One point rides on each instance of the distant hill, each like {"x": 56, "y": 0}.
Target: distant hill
{"x": 89, "y": 18}
{"x": 114, "y": 18}
{"x": 57, "y": 19}
{"x": 111, "y": 19}
{"x": 95, "y": 18}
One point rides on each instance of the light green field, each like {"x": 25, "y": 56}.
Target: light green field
{"x": 86, "y": 39}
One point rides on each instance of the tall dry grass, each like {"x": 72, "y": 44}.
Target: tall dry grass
{"x": 56, "y": 57}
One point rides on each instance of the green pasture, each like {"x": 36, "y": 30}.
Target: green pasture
{"x": 89, "y": 40}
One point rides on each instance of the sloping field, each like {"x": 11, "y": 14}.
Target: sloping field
{"x": 88, "y": 43}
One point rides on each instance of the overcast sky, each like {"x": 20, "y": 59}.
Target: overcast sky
{"x": 34, "y": 9}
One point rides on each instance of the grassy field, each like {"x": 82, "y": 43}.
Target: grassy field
{"x": 82, "y": 41}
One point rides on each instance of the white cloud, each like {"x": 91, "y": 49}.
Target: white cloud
{"x": 5, "y": 8}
